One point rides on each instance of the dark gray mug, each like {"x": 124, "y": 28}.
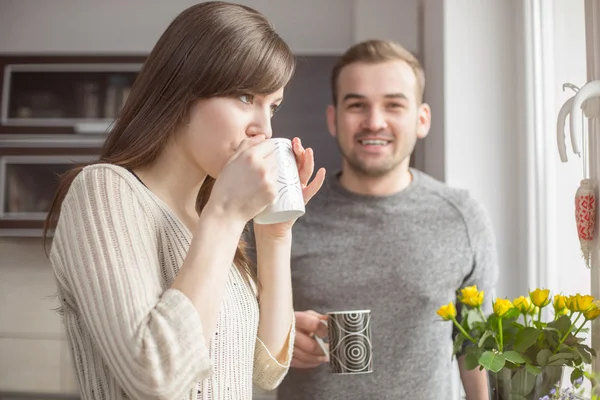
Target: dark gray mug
{"x": 350, "y": 348}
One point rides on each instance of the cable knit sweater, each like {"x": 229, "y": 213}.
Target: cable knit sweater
{"x": 116, "y": 250}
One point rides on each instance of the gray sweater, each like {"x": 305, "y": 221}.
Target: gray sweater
{"x": 401, "y": 256}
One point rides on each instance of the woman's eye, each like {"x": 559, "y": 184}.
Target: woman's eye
{"x": 247, "y": 98}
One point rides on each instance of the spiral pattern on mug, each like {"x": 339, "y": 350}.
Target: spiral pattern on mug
{"x": 350, "y": 347}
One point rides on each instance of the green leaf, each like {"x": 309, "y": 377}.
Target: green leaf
{"x": 471, "y": 361}
{"x": 583, "y": 351}
{"x": 559, "y": 362}
{"x": 522, "y": 383}
{"x": 526, "y": 338}
{"x": 514, "y": 357}
{"x": 552, "y": 336}
{"x": 474, "y": 318}
{"x": 576, "y": 374}
{"x": 571, "y": 340}
{"x": 563, "y": 324}
{"x": 561, "y": 356}
{"x": 464, "y": 310}
{"x": 564, "y": 348}
{"x": 533, "y": 369}
{"x": 539, "y": 325}
{"x": 492, "y": 323}
{"x": 543, "y": 356}
{"x": 588, "y": 349}
{"x": 458, "y": 343}
{"x": 577, "y": 359}
{"x": 526, "y": 358}
{"x": 512, "y": 313}
{"x": 485, "y": 335}
{"x": 492, "y": 361}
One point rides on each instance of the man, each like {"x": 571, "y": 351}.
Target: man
{"x": 385, "y": 237}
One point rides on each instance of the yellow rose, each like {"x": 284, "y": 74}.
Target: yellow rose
{"x": 470, "y": 296}
{"x": 592, "y": 312}
{"x": 535, "y": 310}
{"x": 540, "y": 297}
{"x": 523, "y": 304}
{"x": 560, "y": 304}
{"x": 447, "y": 312}
{"x": 580, "y": 302}
{"x": 564, "y": 311}
{"x": 502, "y": 306}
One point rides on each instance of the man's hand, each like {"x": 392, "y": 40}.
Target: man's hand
{"x": 307, "y": 352}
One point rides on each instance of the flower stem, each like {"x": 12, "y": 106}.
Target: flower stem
{"x": 540, "y": 315}
{"x": 501, "y": 335}
{"x": 525, "y": 319}
{"x": 581, "y": 327}
{"x": 574, "y": 322}
{"x": 462, "y": 330}
{"x": 481, "y": 313}
{"x": 569, "y": 331}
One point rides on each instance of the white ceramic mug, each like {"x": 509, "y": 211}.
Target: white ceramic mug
{"x": 289, "y": 203}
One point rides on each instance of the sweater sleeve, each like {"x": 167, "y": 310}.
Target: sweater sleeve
{"x": 106, "y": 246}
{"x": 484, "y": 268}
{"x": 484, "y": 272}
{"x": 268, "y": 372}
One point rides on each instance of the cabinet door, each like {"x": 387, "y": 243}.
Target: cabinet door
{"x": 29, "y": 178}
{"x": 64, "y": 94}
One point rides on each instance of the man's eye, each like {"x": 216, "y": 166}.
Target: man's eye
{"x": 395, "y": 105}
{"x": 247, "y": 98}
{"x": 355, "y": 105}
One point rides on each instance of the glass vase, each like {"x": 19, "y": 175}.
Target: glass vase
{"x": 521, "y": 384}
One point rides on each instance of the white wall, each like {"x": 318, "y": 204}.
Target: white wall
{"x": 472, "y": 48}
{"x": 474, "y": 55}
{"x": 134, "y": 25}
{"x": 569, "y": 66}
{"x": 33, "y": 350}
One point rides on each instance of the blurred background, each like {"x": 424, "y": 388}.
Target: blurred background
{"x": 495, "y": 72}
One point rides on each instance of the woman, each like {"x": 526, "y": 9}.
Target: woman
{"x": 159, "y": 300}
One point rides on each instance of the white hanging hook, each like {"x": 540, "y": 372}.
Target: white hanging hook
{"x": 589, "y": 90}
{"x": 570, "y": 86}
{"x": 560, "y": 124}
{"x": 560, "y": 129}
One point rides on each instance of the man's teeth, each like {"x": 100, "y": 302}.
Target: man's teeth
{"x": 374, "y": 142}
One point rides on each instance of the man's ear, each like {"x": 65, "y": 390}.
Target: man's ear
{"x": 331, "y": 120}
{"x": 424, "y": 122}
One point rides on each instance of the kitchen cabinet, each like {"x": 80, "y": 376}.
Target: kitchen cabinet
{"x": 63, "y": 94}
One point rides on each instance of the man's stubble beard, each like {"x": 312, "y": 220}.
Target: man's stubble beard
{"x": 360, "y": 169}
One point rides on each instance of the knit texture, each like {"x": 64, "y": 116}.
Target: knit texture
{"x": 116, "y": 251}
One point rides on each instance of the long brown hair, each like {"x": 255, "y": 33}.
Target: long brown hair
{"x": 210, "y": 49}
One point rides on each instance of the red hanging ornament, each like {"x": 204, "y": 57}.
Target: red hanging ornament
{"x": 585, "y": 215}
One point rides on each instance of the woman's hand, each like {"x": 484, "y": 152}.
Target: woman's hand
{"x": 306, "y": 165}
{"x": 247, "y": 183}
